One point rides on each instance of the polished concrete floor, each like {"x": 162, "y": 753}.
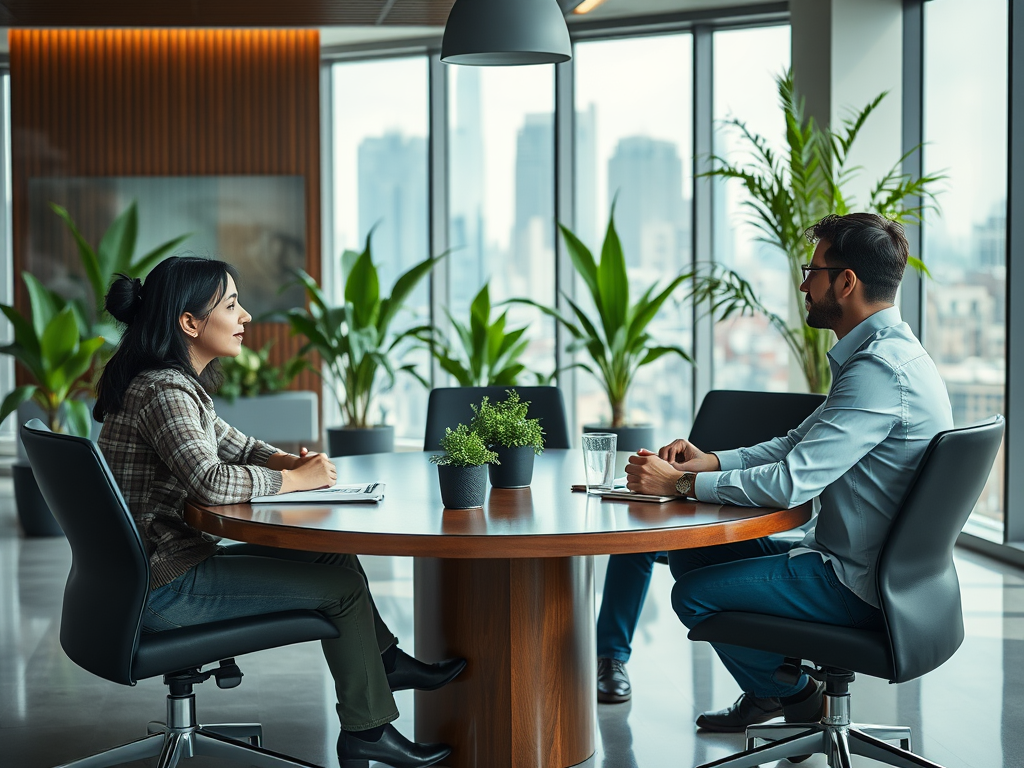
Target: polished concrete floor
{"x": 968, "y": 713}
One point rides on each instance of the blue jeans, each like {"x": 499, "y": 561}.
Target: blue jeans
{"x": 625, "y": 588}
{"x": 759, "y": 576}
{"x": 249, "y": 580}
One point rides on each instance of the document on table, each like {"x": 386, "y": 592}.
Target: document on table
{"x": 338, "y": 494}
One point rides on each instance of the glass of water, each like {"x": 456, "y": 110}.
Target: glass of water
{"x": 599, "y": 458}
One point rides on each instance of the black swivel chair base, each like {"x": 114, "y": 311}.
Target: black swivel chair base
{"x": 833, "y": 736}
{"x": 182, "y": 738}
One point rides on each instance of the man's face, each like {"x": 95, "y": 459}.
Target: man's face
{"x": 823, "y": 311}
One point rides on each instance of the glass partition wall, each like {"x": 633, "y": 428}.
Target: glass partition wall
{"x": 965, "y": 247}
{"x": 634, "y": 150}
{"x": 631, "y": 112}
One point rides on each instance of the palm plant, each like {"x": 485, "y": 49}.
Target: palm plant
{"x": 489, "y": 354}
{"x": 616, "y": 340}
{"x": 115, "y": 254}
{"x": 788, "y": 192}
{"x": 53, "y": 351}
{"x": 354, "y": 340}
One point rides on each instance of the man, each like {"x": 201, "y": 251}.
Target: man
{"x": 857, "y": 452}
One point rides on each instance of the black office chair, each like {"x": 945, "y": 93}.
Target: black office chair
{"x": 102, "y": 617}
{"x": 449, "y": 406}
{"x": 920, "y": 599}
{"x": 728, "y": 418}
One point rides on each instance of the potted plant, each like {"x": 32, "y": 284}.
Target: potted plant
{"x": 787, "y": 193}
{"x": 51, "y": 348}
{"x": 489, "y": 354}
{"x": 254, "y": 399}
{"x": 461, "y": 469}
{"x": 515, "y": 439}
{"x": 356, "y": 344}
{"x": 615, "y": 337}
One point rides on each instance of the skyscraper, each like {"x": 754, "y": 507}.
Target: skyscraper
{"x": 587, "y": 227}
{"x": 392, "y": 171}
{"x": 533, "y": 230}
{"x": 466, "y": 233}
{"x": 645, "y": 177}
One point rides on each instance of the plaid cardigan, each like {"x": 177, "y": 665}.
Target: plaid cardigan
{"x": 167, "y": 444}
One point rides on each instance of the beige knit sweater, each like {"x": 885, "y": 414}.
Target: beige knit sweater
{"x": 167, "y": 444}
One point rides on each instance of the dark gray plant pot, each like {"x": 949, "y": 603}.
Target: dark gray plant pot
{"x": 515, "y": 469}
{"x": 350, "y": 441}
{"x": 630, "y": 438}
{"x": 462, "y": 487}
{"x": 33, "y": 514}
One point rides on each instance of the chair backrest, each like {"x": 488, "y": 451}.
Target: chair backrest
{"x": 449, "y": 406}
{"x": 917, "y": 583}
{"x": 109, "y": 581}
{"x": 728, "y": 419}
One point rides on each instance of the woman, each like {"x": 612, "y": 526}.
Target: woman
{"x": 164, "y": 443}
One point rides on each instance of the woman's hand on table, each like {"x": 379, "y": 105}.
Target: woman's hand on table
{"x": 309, "y": 471}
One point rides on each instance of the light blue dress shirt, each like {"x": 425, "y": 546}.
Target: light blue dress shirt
{"x": 858, "y": 450}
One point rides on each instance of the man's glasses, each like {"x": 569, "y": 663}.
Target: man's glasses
{"x": 806, "y": 269}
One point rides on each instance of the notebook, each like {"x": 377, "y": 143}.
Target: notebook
{"x": 339, "y": 494}
{"x": 631, "y": 496}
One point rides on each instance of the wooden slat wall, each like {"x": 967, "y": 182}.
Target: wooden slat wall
{"x": 167, "y": 102}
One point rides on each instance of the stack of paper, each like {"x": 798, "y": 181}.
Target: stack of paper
{"x": 339, "y": 494}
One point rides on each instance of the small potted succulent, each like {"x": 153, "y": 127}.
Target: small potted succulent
{"x": 460, "y": 470}
{"x": 503, "y": 427}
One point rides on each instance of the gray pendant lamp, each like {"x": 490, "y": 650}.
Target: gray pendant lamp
{"x": 497, "y": 33}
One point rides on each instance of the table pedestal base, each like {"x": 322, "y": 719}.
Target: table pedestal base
{"x": 527, "y": 698}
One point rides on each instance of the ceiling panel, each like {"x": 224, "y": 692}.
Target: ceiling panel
{"x": 221, "y": 13}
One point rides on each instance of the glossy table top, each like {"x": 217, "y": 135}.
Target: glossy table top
{"x": 545, "y": 520}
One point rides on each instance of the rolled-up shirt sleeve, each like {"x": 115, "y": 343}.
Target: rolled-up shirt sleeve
{"x": 172, "y": 423}
{"x": 862, "y": 409}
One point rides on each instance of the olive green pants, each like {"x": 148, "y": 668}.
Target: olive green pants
{"x": 247, "y": 579}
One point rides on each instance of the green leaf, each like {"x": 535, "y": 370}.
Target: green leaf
{"x": 612, "y": 282}
{"x": 582, "y": 260}
{"x": 79, "y": 363}
{"x": 90, "y": 262}
{"x": 404, "y": 285}
{"x": 77, "y": 419}
{"x": 59, "y": 341}
{"x": 24, "y": 334}
{"x": 362, "y": 289}
{"x": 118, "y": 243}
{"x": 15, "y": 398}
{"x": 653, "y": 353}
{"x": 44, "y": 302}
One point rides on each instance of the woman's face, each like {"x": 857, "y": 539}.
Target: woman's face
{"x": 220, "y": 335}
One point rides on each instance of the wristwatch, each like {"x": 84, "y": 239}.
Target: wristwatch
{"x": 684, "y": 485}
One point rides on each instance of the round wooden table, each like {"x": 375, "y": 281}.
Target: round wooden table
{"x": 510, "y": 587}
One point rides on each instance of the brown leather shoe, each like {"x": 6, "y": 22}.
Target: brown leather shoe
{"x": 612, "y": 681}
{"x": 747, "y": 710}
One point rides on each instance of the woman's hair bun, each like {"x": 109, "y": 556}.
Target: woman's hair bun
{"x": 124, "y": 298}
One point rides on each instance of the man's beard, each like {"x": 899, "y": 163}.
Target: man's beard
{"x": 825, "y": 313}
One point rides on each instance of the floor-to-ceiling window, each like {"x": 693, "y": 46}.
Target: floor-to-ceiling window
{"x": 501, "y": 201}
{"x": 965, "y": 117}
{"x": 380, "y": 186}
{"x": 634, "y": 147}
{"x": 748, "y": 353}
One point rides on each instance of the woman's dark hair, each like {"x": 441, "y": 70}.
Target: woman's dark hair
{"x": 150, "y": 312}
{"x": 874, "y": 247}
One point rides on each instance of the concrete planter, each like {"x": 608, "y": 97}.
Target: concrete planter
{"x": 629, "y": 438}
{"x": 352, "y": 441}
{"x": 515, "y": 469}
{"x": 280, "y": 417}
{"x": 462, "y": 487}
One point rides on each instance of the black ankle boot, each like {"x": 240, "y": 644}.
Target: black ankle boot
{"x": 413, "y": 673}
{"x": 392, "y": 749}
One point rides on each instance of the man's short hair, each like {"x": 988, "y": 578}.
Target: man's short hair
{"x": 874, "y": 247}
